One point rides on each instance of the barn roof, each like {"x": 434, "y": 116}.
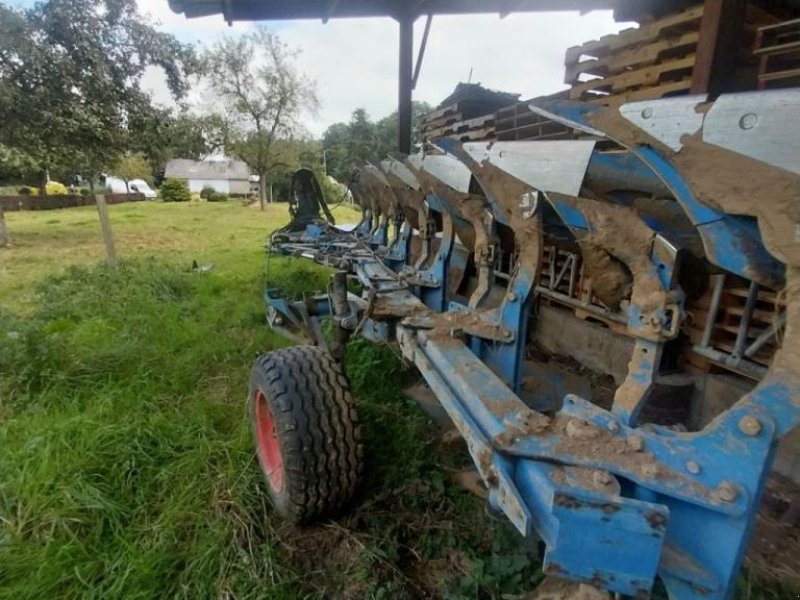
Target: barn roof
{"x": 184, "y": 168}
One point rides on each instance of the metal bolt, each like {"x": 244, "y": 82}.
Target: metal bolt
{"x": 727, "y": 492}
{"x": 693, "y": 467}
{"x": 748, "y": 121}
{"x": 508, "y": 335}
{"x": 602, "y": 478}
{"x": 749, "y": 425}
{"x": 647, "y": 113}
{"x": 612, "y": 426}
{"x": 511, "y": 296}
{"x": 635, "y": 443}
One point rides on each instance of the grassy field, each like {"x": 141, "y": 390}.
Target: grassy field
{"x": 127, "y": 468}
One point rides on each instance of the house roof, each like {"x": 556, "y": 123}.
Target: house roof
{"x": 184, "y": 168}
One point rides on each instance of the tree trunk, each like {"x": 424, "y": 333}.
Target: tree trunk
{"x": 3, "y": 231}
{"x": 262, "y": 190}
{"x": 43, "y": 177}
{"x": 271, "y": 198}
{"x": 105, "y": 225}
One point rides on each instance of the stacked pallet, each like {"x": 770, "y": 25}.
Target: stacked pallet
{"x": 467, "y": 130}
{"x": 468, "y": 114}
{"x": 653, "y": 61}
{"x": 519, "y": 122}
{"x": 778, "y": 50}
{"x": 747, "y": 322}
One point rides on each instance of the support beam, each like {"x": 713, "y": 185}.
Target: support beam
{"x": 421, "y": 54}
{"x": 405, "y": 82}
{"x": 718, "y": 46}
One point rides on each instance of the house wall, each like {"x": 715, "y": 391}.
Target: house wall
{"x": 219, "y": 185}
{"x": 240, "y": 187}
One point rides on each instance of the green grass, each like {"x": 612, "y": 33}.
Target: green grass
{"x": 127, "y": 468}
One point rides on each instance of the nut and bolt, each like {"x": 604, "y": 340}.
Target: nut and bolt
{"x": 511, "y": 296}
{"x": 635, "y": 443}
{"x": 748, "y": 121}
{"x": 749, "y": 425}
{"x": 693, "y": 467}
{"x": 612, "y": 426}
{"x": 602, "y": 478}
{"x": 647, "y": 113}
{"x": 727, "y": 492}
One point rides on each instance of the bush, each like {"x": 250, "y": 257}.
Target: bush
{"x": 54, "y": 188}
{"x": 175, "y": 190}
{"x": 209, "y": 194}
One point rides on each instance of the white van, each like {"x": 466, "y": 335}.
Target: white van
{"x": 140, "y": 186}
{"x": 115, "y": 185}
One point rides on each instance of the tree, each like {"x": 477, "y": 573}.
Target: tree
{"x": 70, "y": 73}
{"x": 263, "y": 93}
{"x": 349, "y": 145}
{"x": 163, "y": 134}
{"x": 175, "y": 190}
{"x": 132, "y": 166}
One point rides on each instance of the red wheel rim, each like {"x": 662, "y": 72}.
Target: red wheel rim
{"x": 269, "y": 449}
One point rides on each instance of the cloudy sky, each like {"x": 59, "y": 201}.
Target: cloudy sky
{"x": 354, "y": 61}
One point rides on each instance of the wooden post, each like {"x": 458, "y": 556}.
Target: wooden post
{"x": 718, "y": 46}
{"x": 105, "y": 224}
{"x": 3, "y": 231}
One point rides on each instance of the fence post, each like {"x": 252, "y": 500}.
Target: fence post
{"x": 105, "y": 224}
{"x": 3, "y": 230}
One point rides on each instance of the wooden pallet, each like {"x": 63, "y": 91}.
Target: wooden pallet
{"x": 653, "y": 76}
{"x": 778, "y": 50}
{"x": 666, "y": 27}
{"x": 729, "y": 317}
{"x": 518, "y": 122}
{"x": 653, "y": 61}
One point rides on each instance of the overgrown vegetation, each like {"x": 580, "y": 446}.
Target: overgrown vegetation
{"x": 175, "y": 190}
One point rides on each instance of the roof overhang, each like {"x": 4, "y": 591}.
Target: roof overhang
{"x": 266, "y": 10}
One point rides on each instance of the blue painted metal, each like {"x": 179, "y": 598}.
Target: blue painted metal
{"x": 615, "y": 503}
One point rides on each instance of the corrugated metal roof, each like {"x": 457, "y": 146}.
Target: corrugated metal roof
{"x": 245, "y": 10}
{"x": 184, "y": 168}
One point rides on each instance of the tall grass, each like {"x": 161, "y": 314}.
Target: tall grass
{"x": 127, "y": 466}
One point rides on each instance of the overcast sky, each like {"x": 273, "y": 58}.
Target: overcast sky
{"x": 354, "y": 61}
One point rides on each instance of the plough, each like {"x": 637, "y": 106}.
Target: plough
{"x": 647, "y": 202}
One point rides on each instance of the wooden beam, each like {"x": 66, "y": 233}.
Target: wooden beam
{"x": 718, "y": 46}
{"x": 105, "y": 224}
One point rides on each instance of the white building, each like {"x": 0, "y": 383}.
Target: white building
{"x": 225, "y": 176}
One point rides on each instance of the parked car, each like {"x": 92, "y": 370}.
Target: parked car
{"x": 142, "y": 187}
{"x": 135, "y": 186}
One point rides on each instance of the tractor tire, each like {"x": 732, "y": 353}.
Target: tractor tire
{"x": 306, "y": 432}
